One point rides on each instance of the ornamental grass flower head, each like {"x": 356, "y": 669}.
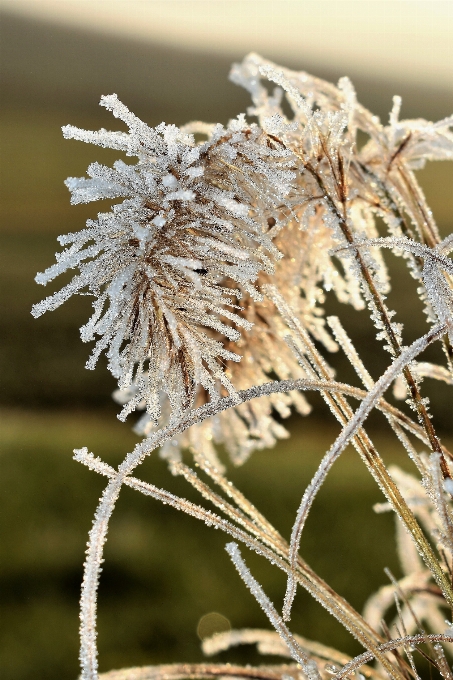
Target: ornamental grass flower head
{"x": 256, "y": 425}
{"x": 179, "y": 268}
{"x": 168, "y": 265}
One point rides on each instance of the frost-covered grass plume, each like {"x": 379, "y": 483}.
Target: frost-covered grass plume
{"x": 208, "y": 278}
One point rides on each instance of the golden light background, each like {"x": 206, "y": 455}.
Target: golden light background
{"x": 407, "y": 40}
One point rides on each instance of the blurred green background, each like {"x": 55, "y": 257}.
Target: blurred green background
{"x": 163, "y": 572}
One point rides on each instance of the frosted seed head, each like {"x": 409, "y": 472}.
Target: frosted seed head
{"x": 190, "y": 228}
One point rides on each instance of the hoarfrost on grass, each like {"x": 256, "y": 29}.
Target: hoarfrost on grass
{"x": 209, "y": 277}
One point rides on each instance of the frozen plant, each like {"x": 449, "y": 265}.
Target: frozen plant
{"x": 172, "y": 259}
{"x": 209, "y": 281}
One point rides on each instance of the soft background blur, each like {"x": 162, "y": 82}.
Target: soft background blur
{"x": 164, "y": 572}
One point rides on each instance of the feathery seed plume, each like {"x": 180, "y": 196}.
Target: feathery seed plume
{"x": 168, "y": 264}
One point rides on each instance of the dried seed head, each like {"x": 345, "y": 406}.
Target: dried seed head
{"x": 254, "y": 425}
{"x": 168, "y": 264}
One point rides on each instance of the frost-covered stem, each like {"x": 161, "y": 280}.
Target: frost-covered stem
{"x": 241, "y": 501}
{"x": 305, "y": 576}
{"x": 442, "y": 663}
{"x": 427, "y": 225}
{"x": 342, "y": 611}
{"x": 269, "y": 641}
{"x": 92, "y": 570}
{"x": 338, "y": 607}
{"x": 406, "y": 231}
{"x": 360, "y": 440}
{"x": 387, "y": 484}
{"x": 387, "y": 647}
{"x": 414, "y": 391}
{"x": 440, "y": 503}
{"x": 308, "y": 666}
{"x": 350, "y": 351}
{"x": 270, "y": 538}
{"x": 385, "y": 319}
{"x": 98, "y": 533}
{"x": 189, "y": 671}
{"x": 200, "y": 414}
